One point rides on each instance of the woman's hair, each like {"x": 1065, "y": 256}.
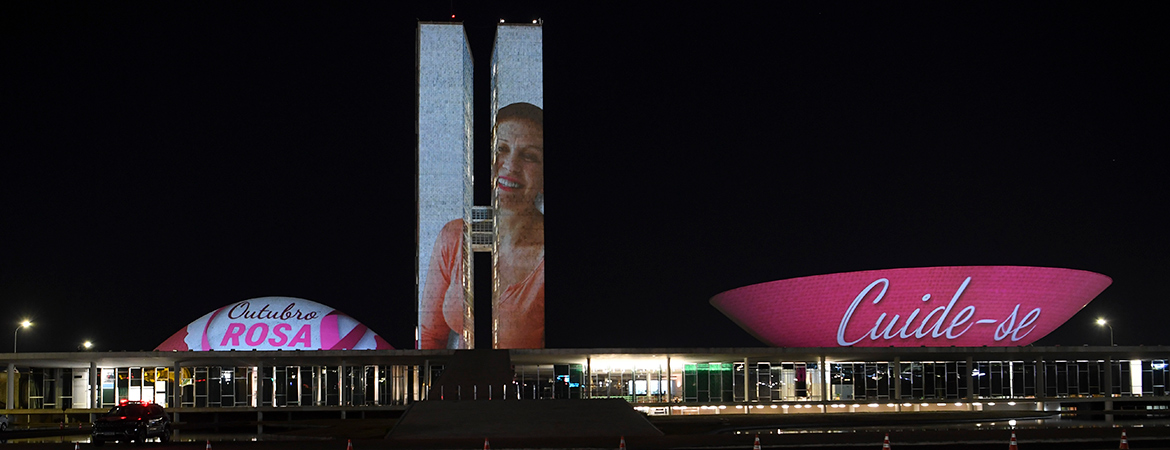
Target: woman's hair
{"x": 531, "y": 113}
{"x": 522, "y": 111}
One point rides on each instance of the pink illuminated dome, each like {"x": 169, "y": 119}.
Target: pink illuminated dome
{"x": 275, "y": 323}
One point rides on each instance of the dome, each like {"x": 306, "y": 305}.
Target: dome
{"x": 275, "y": 323}
{"x": 965, "y": 306}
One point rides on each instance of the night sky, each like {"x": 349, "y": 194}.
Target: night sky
{"x": 164, "y": 159}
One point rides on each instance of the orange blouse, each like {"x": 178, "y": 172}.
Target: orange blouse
{"x": 518, "y": 318}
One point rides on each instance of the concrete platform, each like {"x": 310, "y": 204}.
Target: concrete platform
{"x": 521, "y": 419}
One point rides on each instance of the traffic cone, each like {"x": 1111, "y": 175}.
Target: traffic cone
{"x": 486, "y": 445}
{"x": 886, "y": 442}
{"x": 349, "y": 444}
{"x": 209, "y": 445}
{"x": 1012, "y": 445}
{"x": 756, "y": 445}
{"x": 1124, "y": 441}
{"x": 622, "y": 444}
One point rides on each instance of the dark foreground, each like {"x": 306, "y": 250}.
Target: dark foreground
{"x": 679, "y": 433}
{"x": 1028, "y": 439}
{"x": 632, "y": 444}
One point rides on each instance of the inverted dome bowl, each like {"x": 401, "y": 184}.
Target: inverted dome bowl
{"x": 966, "y": 306}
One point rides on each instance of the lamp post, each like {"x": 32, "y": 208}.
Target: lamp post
{"x": 23, "y": 324}
{"x": 1105, "y": 323}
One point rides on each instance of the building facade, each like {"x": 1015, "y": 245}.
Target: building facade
{"x": 658, "y": 381}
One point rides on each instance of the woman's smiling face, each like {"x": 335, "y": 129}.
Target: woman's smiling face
{"x": 518, "y": 169}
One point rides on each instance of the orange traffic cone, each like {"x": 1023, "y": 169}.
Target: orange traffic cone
{"x": 756, "y": 445}
{"x": 622, "y": 444}
{"x": 1012, "y": 445}
{"x": 208, "y": 445}
{"x": 1124, "y": 441}
{"x": 886, "y": 442}
{"x": 486, "y": 445}
{"x": 349, "y": 444}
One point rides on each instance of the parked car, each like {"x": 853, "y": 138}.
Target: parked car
{"x": 132, "y": 421}
{"x": 5, "y": 422}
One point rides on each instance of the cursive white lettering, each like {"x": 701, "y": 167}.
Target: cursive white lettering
{"x": 935, "y": 324}
{"x": 1008, "y": 326}
{"x": 853, "y": 307}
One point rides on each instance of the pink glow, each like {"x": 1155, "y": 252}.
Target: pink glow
{"x": 274, "y": 323}
{"x": 997, "y": 306}
{"x": 329, "y": 331}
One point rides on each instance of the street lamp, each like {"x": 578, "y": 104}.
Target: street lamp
{"x": 87, "y": 345}
{"x": 1103, "y": 322}
{"x": 23, "y": 324}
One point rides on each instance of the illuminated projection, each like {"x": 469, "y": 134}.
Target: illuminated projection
{"x": 275, "y": 323}
{"x": 930, "y": 306}
{"x": 518, "y": 187}
{"x": 445, "y": 195}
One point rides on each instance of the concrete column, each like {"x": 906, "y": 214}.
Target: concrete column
{"x": 342, "y": 376}
{"x": 377, "y": 386}
{"x": 1040, "y": 388}
{"x": 10, "y": 401}
{"x": 669, "y": 384}
{"x": 824, "y": 369}
{"x": 589, "y": 376}
{"x": 95, "y": 377}
{"x": 410, "y": 379}
{"x": 1107, "y": 383}
{"x": 746, "y": 385}
{"x": 424, "y": 380}
{"x": 316, "y": 384}
{"x": 177, "y": 386}
{"x": 972, "y": 389}
{"x": 898, "y": 379}
{"x": 261, "y": 391}
{"x": 57, "y": 389}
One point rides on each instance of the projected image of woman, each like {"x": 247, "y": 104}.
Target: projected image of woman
{"x": 518, "y": 303}
{"x": 518, "y": 173}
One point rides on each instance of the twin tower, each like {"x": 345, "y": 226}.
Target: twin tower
{"x": 451, "y": 228}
